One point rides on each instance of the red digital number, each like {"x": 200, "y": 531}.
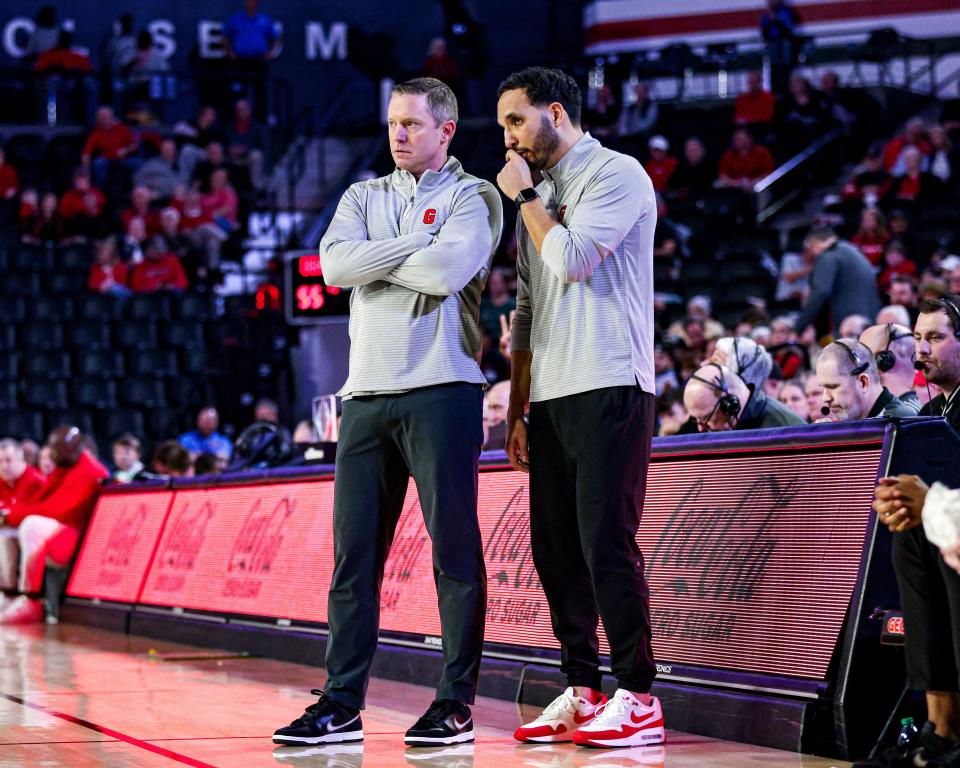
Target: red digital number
{"x": 310, "y": 297}
{"x": 309, "y": 266}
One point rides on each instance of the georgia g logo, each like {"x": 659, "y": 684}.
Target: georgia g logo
{"x": 429, "y": 215}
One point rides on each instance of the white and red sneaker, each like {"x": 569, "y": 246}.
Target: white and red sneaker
{"x": 623, "y": 722}
{"x": 562, "y": 717}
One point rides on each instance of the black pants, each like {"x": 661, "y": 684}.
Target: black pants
{"x": 930, "y": 598}
{"x": 588, "y": 468}
{"x": 434, "y": 434}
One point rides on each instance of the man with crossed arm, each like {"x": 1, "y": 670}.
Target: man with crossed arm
{"x": 416, "y": 246}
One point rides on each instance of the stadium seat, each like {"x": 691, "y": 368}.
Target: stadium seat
{"x": 89, "y": 334}
{"x": 51, "y": 364}
{"x": 60, "y": 157}
{"x": 45, "y": 394}
{"x": 8, "y": 395}
{"x": 25, "y": 153}
{"x": 165, "y": 423}
{"x": 194, "y": 306}
{"x": 189, "y": 392}
{"x": 110, "y": 424}
{"x": 193, "y": 362}
{"x": 22, "y": 425}
{"x": 95, "y": 393}
{"x": 26, "y": 284}
{"x": 82, "y": 420}
{"x": 148, "y": 306}
{"x": 184, "y": 333}
{"x": 41, "y": 335}
{"x": 153, "y": 362}
{"x": 12, "y": 308}
{"x": 58, "y": 308}
{"x": 98, "y": 306}
{"x": 73, "y": 258}
{"x": 28, "y": 258}
{"x": 65, "y": 282}
{"x": 135, "y": 334}
{"x": 143, "y": 392}
{"x": 8, "y": 338}
{"x": 100, "y": 363}
{"x": 9, "y": 366}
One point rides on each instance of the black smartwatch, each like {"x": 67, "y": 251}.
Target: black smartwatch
{"x": 526, "y": 195}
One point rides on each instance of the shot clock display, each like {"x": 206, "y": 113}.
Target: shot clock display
{"x": 307, "y": 297}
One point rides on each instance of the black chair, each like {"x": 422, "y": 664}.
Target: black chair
{"x": 165, "y": 423}
{"x": 8, "y": 338}
{"x": 194, "y": 306}
{"x": 143, "y": 392}
{"x": 21, "y": 284}
{"x": 28, "y": 258}
{"x": 113, "y": 423}
{"x": 22, "y": 425}
{"x": 9, "y": 366}
{"x": 89, "y": 334}
{"x": 60, "y": 157}
{"x": 8, "y": 395}
{"x": 193, "y": 393}
{"x": 100, "y": 364}
{"x": 50, "y": 364}
{"x": 66, "y": 282}
{"x": 25, "y": 153}
{"x": 153, "y": 362}
{"x": 41, "y": 335}
{"x": 82, "y": 420}
{"x": 193, "y": 362}
{"x": 98, "y": 306}
{"x": 58, "y": 308}
{"x": 98, "y": 394}
{"x": 135, "y": 334}
{"x": 12, "y": 308}
{"x": 73, "y": 258}
{"x": 148, "y": 306}
{"x": 45, "y": 395}
{"x": 184, "y": 334}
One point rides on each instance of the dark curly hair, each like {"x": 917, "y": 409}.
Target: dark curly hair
{"x": 544, "y": 86}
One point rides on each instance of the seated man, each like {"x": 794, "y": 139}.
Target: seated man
{"x": 719, "y": 400}
{"x": 851, "y": 384}
{"x": 19, "y": 483}
{"x": 894, "y": 350}
{"x": 126, "y": 457}
{"x": 50, "y": 526}
{"x": 205, "y": 438}
{"x": 495, "y": 403}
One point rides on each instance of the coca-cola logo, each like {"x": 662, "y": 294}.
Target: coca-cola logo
{"x": 507, "y": 552}
{"x": 187, "y": 534}
{"x": 124, "y": 535}
{"x": 260, "y": 537}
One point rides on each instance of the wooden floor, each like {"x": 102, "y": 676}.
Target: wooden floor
{"x": 76, "y": 696}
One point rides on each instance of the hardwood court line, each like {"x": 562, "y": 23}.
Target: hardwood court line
{"x": 176, "y": 756}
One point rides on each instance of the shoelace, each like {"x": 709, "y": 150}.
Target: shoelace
{"x": 437, "y": 712}
{"x": 312, "y": 710}
{"x": 615, "y": 708}
{"x": 563, "y": 703}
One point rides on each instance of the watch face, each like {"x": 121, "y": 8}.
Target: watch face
{"x": 526, "y": 195}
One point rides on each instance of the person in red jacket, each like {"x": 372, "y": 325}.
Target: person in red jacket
{"x": 660, "y": 166}
{"x": 755, "y": 106}
{"x": 110, "y": 142}
{"x": 108, "y": 274}
{"x": 50, "y": 526}
{"x": 745, "y": 163}
{"x": 19, "y": 482}
{"x": 159, "y": 270}
{"x": 81, "y": 207}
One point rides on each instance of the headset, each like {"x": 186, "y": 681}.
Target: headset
{"x": 858, "y": 367}
{"x": 886, "y": 360}
{"x": 758, "y": 350}
{"x": 728, "y": 403}
{"x": 952, "y": 309}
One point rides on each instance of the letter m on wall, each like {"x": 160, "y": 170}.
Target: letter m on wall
{"x": 326, "y": 45}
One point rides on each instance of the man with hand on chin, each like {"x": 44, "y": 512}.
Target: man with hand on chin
{"x": 582, "y": 356}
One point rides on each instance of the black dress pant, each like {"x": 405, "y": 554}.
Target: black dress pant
{"x": 930, "y": 599}
{"x": 433, "y": 434}
{"x": 589, "y": 455}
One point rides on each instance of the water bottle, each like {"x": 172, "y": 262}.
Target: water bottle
{"x": 908, "y": 733}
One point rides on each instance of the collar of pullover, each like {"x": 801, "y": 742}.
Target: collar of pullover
{"x": 407, "y": 183}
{"x": 572, "y": 162}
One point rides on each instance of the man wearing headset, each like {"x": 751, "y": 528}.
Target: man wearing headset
{"x": 929, "y": 587}
{"x": 894, "y": 350}
{"x": 851, "y": 384}
{"x": 719, "y": 400}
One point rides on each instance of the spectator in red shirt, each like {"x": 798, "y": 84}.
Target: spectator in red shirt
{"x": 108, "y": 274}
{"x": 50, "y": 526}
{"x": 40, "y": 222}
{"x": 914, "y": 135}
{"x": 159, "y": 270}
{"x": 81, "y": 208}
{"x": 19, "y": 482}
{"x": 110, "y": 142}
{"x": 9, "y": 182}
{"x": 140, "y": 200}
{"x": 916, "y": 184}
{"x": 873, "y": 235}
{"x": 897, "y": 265}
{"x": 870, "y": 182}
{"x": 221, "y": 203}
{"x": 756, "y": 106}
{"x": 68, "y": 78}
{"x": 744, "y": 163}
{"x": 660, "y": 166}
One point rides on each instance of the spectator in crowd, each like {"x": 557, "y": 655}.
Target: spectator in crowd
{"x": 266, "y": 410}
{"x": 853, "y": 325}
{"x": 441, "y": 65}
{"x": 19, "y": 482}
{"x": 81, "y": 208}
{"x": 894, "y": 350}
{"x": 743, "y": 357}
{"x": 247, "y": 143}
{"x": 778, "y": 28}
{"x": 872, "y": 236}
{"x": 915, "y": 184}
{"x": 896, "y": 264}
{"x": 914, "y": 135}
{"x": 660, "y": 166}
{"x": 251, "y": 41}
{"x": 953, "y": 280}
{"x": 46, "y": 32}
{"x": 903, "y": 292}
{"x": 214, "y": 160}
{"x": 221, "y": 204}
{"x": 40, "y": 223}
{"x": 108, "y": 274}
{"x": 665, "y": 373}
{"x": 173, "y": 241}
{"x": 121, "y": 49}
{"x": 813, "y": 393}
{"x": 791, "y": 395}
{"x": 842, "y": 280}
{"x": 205, "y": 438}
{"x": 700, "y": 308}
{"x": 944, "y": 159}
{"x": 870, "y": 181}
{"x": 31, "y": 453}
{"x": 67, "y": 77}
{"x": 836, "y": 109}
{"x": 894, "y": 313}
{"x": 147, "y": 63}
{"x": 601, "y": 119}
{"x": 194, "y": 139}
{"x": 160, "y": 174}
{"x": 745, "y": 162}
{"x": 755, "y": 107}
{"x": 804, "y": 114}
{"x": 62, "y": 59}
{"x": 140, "y": 207}
{"x": 639, "y": 118}
{"x": 718, "y": 400}
{"x": 852, "y": 389}
{"x": 134, "y": 239}
{"x": 495, "y": 403}
{"x": 45, "y": 461}
{"x": 172, "y": 459}
{"x": 201, "y": 233}
{"x": 50, "y": 526}
{"x": 671, "y": 415}
{"x": 9, "y": 181}
{"x": 126, "y": 458}
{"x": 496, "y": 303}
{"x": 159, "y": 270}
{"x": 110, "y": 143}
{"x": 785, "y": 349}
{"x": 207, "y": 464}
{"x": 694, "y": 174}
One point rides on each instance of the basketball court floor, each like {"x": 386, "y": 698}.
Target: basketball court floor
{"x": 76, "y": 696}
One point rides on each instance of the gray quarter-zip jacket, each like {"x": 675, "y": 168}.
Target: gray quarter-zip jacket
{"x": 585, "y": 302}
{"x": 417, "y": 255}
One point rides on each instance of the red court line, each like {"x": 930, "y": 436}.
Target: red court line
{"x": 176, "y": 756}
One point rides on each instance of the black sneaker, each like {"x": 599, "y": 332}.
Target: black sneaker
{"x": 445, "y": 722}
{"x": 929, "y": 751}
{"x": 325, "y": 722}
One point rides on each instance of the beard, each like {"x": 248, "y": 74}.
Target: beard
{"x": 545, "y": 143}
